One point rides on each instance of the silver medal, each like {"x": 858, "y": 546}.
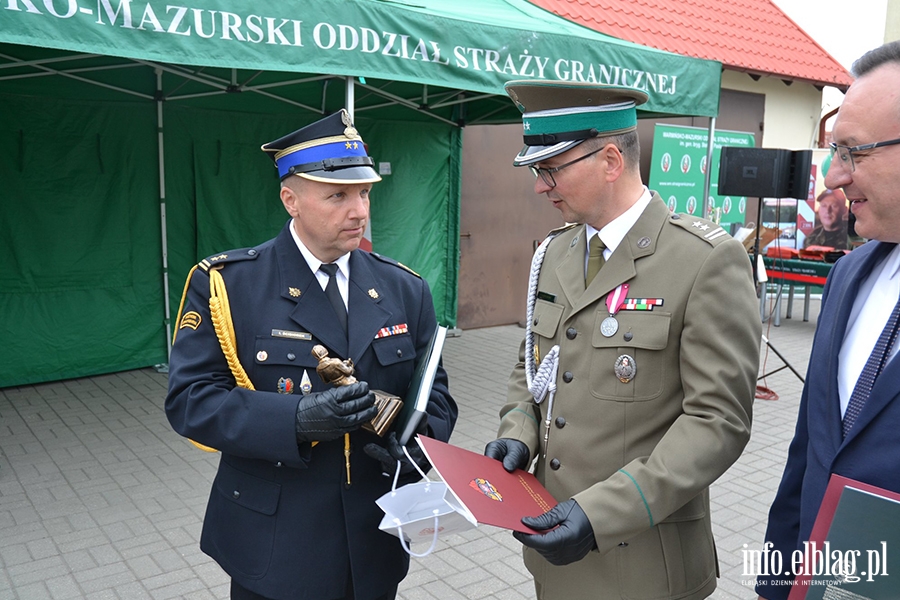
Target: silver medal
{"x": 625, "y": 368}
{"x": 609, "y": 326}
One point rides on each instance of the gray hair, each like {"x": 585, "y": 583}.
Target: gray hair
{"x": 888, "y": 53}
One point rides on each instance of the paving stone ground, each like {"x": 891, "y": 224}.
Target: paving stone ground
{"x": 100, "y": 499}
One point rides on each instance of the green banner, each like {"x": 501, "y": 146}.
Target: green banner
{"x": 678, "y": 171}
{"x": 473, "y": 45}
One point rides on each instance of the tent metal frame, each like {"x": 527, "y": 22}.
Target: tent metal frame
{"x": 221, "y": 86}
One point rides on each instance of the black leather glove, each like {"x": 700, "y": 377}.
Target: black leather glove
{"x": 513, "y": 453}
{"x": 323, "y": 416}
{"x": 390, "y": 455}
{"x": 569, "y": 542}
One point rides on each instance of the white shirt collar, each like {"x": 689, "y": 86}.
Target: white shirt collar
{"x": 892, "y": 263}
{"x": 616, "y": 230}
{"x": 314, "y": 263}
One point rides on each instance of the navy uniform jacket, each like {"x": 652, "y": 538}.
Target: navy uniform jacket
{"x": 871, "y": 451}
{"x": 281, "y": 519}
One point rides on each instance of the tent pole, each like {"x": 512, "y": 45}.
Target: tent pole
{"x": 162, "y": 209}
{"x": 350, "y": 100}
{"x": 710, "y": 142}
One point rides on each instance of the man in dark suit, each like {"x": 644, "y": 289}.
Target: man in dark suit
{"x": 850, "y": 408}
{"x": 653, "y": 322}
{"x": 292, "y": 511}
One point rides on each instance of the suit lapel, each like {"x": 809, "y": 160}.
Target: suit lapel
{"x": 640, "y": 241}
{"x": 569, "y": 270}
{"x": 366, "y": 314}
{"x": 313, "y": 311}
{"x": 847, "y": 295}
{"x": 885, "y": 389}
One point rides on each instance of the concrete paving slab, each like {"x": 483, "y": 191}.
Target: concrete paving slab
{"x": 100, "y": 499}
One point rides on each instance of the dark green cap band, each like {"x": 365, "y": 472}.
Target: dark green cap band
{"x": 552, "y": 122}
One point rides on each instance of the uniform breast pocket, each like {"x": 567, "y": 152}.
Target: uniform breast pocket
{"x": 631, "y": 365}
{"x": 547, "y": 316}
{"x": 279, "y": 364}
{"x": 394, "y": 349}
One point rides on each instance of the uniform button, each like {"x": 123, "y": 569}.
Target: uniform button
{"x": 399, "y": 352}
{"x": 622, "y": 544}
{"x": 554, "y": 464}
{"x": 291, "y": 356}
{"x": 535, "y": 321}
{"x": 251, "y": 252}
{"x": 628, "y": 336}
{"x": 560, "y": 422}
{"x": 236, "y": 494}
{"x": 568, "y": 377}
{"x": 571, "y": 333}
{"x": 278, "y": 464}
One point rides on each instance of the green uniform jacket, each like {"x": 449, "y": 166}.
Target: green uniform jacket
{"x": 639, "y": 457}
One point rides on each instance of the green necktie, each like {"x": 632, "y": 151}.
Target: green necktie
{"x": 595, "y": 259}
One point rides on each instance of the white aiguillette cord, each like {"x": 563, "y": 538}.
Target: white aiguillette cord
{"x": 541, "y": 380}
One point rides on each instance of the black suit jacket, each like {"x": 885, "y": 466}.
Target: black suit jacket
{"x": 281, "y": 519}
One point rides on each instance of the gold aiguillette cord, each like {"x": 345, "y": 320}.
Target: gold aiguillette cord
{"x": 347, "y": 455}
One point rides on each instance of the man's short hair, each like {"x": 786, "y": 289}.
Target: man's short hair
{"x": 888, "y": 53}
{"x": 628, "y": 144}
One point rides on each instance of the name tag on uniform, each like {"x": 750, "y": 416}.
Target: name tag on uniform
{"x": 293, "y": 335}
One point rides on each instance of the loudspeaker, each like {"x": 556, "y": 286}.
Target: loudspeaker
{"x": 764, "y": 172}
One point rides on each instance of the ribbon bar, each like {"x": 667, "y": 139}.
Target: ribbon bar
{"x": 641, "y": 303}
{"x": 392, "y": 330}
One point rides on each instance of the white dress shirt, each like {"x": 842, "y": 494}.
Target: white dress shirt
{"x": 876, "y": 299}
{"x": 616, "y": 230}
{"x": 343, "y": 263}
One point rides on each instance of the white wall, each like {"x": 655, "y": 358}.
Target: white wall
{"x": 792, "y": 111}
{"x": 892, "y": 21}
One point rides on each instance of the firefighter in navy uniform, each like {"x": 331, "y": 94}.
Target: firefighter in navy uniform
{"x": 292, "y": 510}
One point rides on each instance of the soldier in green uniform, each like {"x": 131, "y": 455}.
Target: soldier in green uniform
{"x": 636, "y": 378}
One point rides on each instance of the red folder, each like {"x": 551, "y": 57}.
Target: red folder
{"x": 492, "y": 495}
{"x": 824, "y": 520}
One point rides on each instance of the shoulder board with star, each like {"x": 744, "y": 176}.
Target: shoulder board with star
{"x": 706, "y": 230}
{"x": 228, "y": 257}
{"x": 559, "y": 230}
{"x": 555, "y": 232}
{"x": 391, "y": 261}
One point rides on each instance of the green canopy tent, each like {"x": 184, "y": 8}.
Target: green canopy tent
{"x": 130, "y": 133}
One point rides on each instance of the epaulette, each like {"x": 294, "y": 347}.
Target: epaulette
{"x": 559, "y": 230}
{"x": 555, "y": 232}
{"x": 702, "y": 228}
{"x": 227, "y": 257}
{"x": 391, "y": 261}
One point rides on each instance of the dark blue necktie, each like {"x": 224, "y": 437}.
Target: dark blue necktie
{"x": 334, "y": 295}
{"x": 871, "y": 371}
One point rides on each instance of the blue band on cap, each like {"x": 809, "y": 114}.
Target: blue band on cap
{"x": 319, "y": 153}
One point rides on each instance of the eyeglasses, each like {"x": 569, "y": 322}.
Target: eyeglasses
{"x": 547, "y": 174}
{"x": 845, "y": 153}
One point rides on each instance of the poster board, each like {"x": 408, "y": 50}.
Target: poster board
{"x": 678, "y": 171}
